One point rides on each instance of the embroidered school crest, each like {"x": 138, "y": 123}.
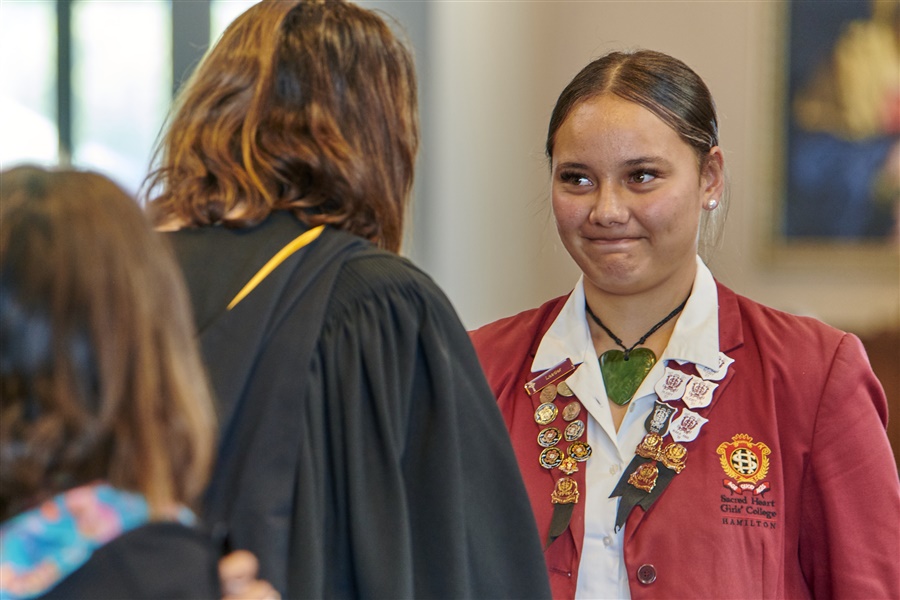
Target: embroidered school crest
{"x": 745, "y": 463}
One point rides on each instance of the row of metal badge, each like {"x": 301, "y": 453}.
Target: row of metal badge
{"x": 551, "y": 385}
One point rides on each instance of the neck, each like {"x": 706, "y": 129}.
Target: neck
{"x": 631, "y": 317}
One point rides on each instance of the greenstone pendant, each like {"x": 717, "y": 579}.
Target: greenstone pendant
{"x": 623, "y": 377}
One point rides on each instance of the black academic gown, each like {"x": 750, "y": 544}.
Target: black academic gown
{"x": 362, "y": 452}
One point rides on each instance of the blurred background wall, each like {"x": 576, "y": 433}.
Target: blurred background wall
{"x": 99, "y": 80}
{"x": 491, "y": 72}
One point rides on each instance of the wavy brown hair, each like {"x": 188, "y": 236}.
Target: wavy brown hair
{"x": 100, "y": 376}
{"x": 307, "y": 106}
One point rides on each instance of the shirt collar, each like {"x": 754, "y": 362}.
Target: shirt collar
{"x": 695, "y": 337}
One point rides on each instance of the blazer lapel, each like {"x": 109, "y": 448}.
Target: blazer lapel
{"x": 576, "y": 524}
{"x": 730, "y": 337}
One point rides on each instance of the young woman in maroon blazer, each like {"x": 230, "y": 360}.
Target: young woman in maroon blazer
{"x": 679, "y": 440}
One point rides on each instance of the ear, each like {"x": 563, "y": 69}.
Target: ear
{"x": 712, "y": 177}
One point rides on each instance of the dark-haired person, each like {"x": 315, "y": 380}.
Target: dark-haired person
{"x": 106, "y": 421}
{"x": 679, "y": 440}
{"x": 348, "y": 389}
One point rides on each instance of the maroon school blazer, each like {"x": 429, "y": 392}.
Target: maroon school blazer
{"x": 828, "y": 522}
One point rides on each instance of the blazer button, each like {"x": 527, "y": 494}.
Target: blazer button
{"x": 646, "y": 574}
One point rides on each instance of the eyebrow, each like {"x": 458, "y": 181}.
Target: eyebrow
{"x": 571, "y": 165}
{"x": 643, "y": 160}
{"x": 630, "y": 163}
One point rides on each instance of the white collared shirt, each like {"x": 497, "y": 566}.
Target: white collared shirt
{"x": 695, "y": 339}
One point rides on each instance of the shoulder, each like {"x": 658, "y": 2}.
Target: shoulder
{"x": 372, "y": 269}
{"x": 510, "y": 336}
{"x": 157, "y": 560}
{"x": 184, "y": 541}
{"x": 805, "y": 351}
{"x": 511, "y": 329}
{"x": 766, "y": 325}
{"x": 382, "y": 281}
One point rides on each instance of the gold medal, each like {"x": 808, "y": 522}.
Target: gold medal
{"x": 551, "y": 457}
{"x": 580, "y": 451}
{"x": 545, "y": 413}
{"x": 645, "y": 477}
{"x": 565, "y": 492}
{"x": 650, "y": 446}
{"x": 568, "y": 465}
{"x": 674, "y": 457}
{"x": 548, "y": 437}
{"x": 564, "y": 390}
{"x": 574, "y": 430}
{"x": 548, "y": 394}
{"x": 571, "y": 411}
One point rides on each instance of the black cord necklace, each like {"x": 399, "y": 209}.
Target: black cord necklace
{"x": 621, "y": 375}
{"x": 643, "y": 339}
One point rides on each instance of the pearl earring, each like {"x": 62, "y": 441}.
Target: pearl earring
{"x": 711, "y": 204}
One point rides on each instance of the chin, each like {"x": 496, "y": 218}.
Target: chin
{"x": 616, "y": 281}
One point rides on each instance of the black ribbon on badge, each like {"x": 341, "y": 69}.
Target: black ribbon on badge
{"x": 562, "y": 514}
{"x": 653, "y": 467}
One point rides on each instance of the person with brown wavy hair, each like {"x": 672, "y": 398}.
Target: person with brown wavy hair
{"x": 362, "y": 453}
{"x": 106, "y": 421}
{"x": 305, "y": 107}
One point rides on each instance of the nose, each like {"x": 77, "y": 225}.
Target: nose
{"x": 609, "y": 207}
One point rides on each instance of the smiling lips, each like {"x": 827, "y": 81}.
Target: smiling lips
{"x": 611, "y": 241}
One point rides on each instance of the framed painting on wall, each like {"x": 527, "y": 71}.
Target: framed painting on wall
{"x": 840, "y": 152}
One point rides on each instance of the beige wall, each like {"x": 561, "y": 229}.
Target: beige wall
{"x": 491, "y": 73}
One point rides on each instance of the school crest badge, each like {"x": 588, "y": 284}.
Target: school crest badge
{"x": 745, "y": 463}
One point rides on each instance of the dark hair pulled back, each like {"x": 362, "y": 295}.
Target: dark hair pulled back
{"x": 660, "y": 83}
